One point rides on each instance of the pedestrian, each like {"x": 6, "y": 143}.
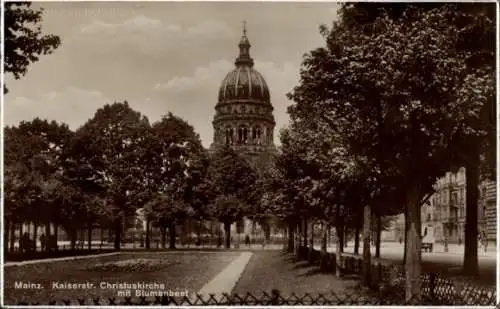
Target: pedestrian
{"x": 25, "y": 243}
{"x": 43, "y": 243}
{"x": 247, "y": 240}
{"x": 219, "y": 241}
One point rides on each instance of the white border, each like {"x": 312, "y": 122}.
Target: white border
{"x": 323, "y": 1}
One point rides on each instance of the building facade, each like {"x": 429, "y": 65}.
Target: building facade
{"x": 445, "y": 210}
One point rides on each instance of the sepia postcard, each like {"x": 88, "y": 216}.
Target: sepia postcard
{"x": 249, "y": 153}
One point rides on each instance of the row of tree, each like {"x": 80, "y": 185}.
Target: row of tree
{"x": 116, "y": 163}
{"x": 399, "y": 95}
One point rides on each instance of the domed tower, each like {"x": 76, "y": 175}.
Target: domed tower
{"x": 244, "y": 114}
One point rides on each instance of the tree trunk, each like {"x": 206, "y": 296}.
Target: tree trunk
{"x": 47, "y": 236}
{"x": 171, "y": 230}
{"x": 163, "y": 232}
{"x": 267, "y": 231}
{"x": 6, "y": 233}
{"x": 82, "y": 238}
{"x": 118, "y": 232}
{"x": 89, "y": 236}
{"x": 148, "y": 233}
{"x": 328, "y": 236}
{"x": 72, "y": 237}
{"x": 345, "y": 237}
{"x": 407, "y": 224}
{"x": 12, "y": 237}
{"x": 311, "y": 239}
{"x": 102, "y": 236}
{"x": 291, "y": 235}
{"x": 198, "y": 233}
{"x": 356, "y": 238}
{"x": 378, "y": 234}
{"x": 211, "y": 234}
{"x": 470, "y": 266}
{"x": 341, "y": 233}
{"x": 367, "y": 263}
{"x": 339, "y": 249}
{"x": 305, "y": 233}
{"x": 324, "y": 239}
{"x": 227, "y": 232}
{"x": 298, "y": 239}
{"x": 413, "y": 245}
{"x": 56, "y": 234}
{"x": 35, "y": 235}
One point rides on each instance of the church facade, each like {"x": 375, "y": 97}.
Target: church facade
{"x": 243, "y": 114}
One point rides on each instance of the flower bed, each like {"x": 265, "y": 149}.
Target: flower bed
{"x": 131, "y": 265}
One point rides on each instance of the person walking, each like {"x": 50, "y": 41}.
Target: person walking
{"x": 43, "y": 242}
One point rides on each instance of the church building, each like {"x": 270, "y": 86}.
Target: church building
{"x": 244, "y": 114}
{"x": 244, "y": 120}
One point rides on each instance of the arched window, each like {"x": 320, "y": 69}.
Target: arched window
{"x": 228, "y": 136}
{"x": 240, "y": 135}
{"x": 231, "y": 136}
{"x": 254, "y": 133}
{"x": 245, "y": 135}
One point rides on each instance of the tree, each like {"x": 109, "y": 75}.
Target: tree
{"x": 33, "y": 153}
{"x": 108, "y": 150}
{"x": 175, "y": 167}
{"x": 24, "y": 41}
{"x": 397, "y": 97}
{"x": 475, "y": 41}
{"x": 232, "y": 180}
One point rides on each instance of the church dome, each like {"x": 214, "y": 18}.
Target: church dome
{"x": 244, "y": 82}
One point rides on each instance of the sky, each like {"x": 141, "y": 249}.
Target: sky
{"x": 162, "y": 57}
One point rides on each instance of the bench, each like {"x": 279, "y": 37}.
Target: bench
{"x": 427, "y": 247}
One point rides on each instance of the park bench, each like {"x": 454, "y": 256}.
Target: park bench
{"x": 427, "y": 247}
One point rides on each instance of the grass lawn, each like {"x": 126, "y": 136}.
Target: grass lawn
{"x": 178, "y": 271}
{"x": 269, "y": 270}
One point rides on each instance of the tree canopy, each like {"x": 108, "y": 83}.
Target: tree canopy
{"x": 23, "y": 38}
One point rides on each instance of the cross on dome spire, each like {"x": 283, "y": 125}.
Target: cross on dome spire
{"x": 244, "y": 57}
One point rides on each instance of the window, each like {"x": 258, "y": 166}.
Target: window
{"x": 229, "y": 136}
{"x": 454, "y": 198}
{"x": 245, "y": 135}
